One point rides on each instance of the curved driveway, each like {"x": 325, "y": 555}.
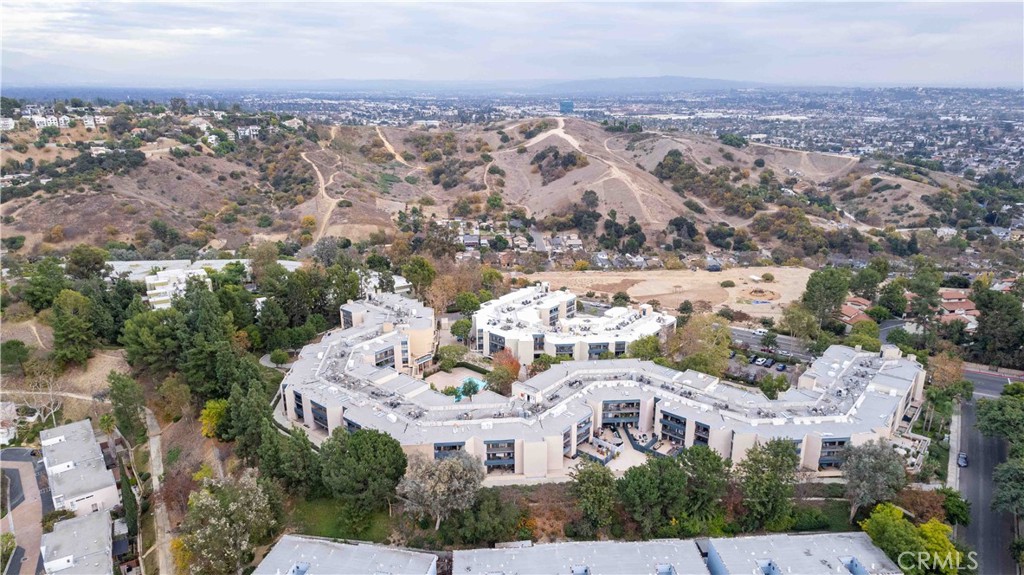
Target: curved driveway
{"x": 27, "y": 509}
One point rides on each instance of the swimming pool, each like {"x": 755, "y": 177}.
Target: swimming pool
{"x": 480, "y": 386}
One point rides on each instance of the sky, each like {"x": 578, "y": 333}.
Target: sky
{"x": 819, "y": 43}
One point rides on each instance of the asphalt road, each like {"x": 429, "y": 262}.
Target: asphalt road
{"x": 987, "y": 384}
{"x": 989, "y": 533}
{"x": 888, "y": 325}
{"x": 25, "y": 515}
{"x": 783, "y": 343}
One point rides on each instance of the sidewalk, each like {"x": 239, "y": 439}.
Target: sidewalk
{"x": 953, "y": 470}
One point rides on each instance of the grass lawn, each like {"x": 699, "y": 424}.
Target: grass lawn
{"x": 151, "y": 564}
{"x": 141, "y": 458}
{"x": 938, "y": 455}
{"x": 328, "y": 518}
{"x": 837, "y": 513}
{"x": 148, "y": 531}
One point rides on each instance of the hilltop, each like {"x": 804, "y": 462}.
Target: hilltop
{"x": 619, "y": 187}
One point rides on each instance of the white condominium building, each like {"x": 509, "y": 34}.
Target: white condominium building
{"x": 361, "y": 376}
{"x": 535, "y": 320}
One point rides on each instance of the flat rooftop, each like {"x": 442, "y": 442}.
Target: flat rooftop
{"x": 74, "y": 444}
{"x": 804, "y": 554}
{"x": 853, "y": 392}
{"x": 524, "y": 312}
{"x": 87, "y": 539}
{"x": 296, "y": 555}
{"x": 601, "y": 557}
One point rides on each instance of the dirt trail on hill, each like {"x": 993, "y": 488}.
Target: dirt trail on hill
{"x": 324, "y": 212}
{"x": 391, "y": 149}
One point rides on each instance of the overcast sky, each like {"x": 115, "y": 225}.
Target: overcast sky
{"x": 147, "y": 43}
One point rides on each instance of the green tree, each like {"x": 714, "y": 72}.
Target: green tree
{"x": 85, "y": 261}
{"x": 363, "y": 468}
{"x": 770, "y": 339}
{"x": 893, "y": 298}
{"x": 461, "y": 327}
{"x": 214, "y": 417}
{"x": 46, "y": 281}
{"x": 492, "y": 519}
{"x": 128, "y": 400}
{"x": 1000, "y": 333}
{"x": 490, "y": 278}
{"x": 874, "y": 473}
{"x": 107, "y": 423}
{"x": 290, "y": 459}
{"x": 272, "y": 323}
{"x": 420, "y": 273}
{"x": 894, "y": 534}
{"x": 174, "y": 398}
{"x": 767, "y": 478}
{"x": 1009, "y": 493}
{"x": 439, "y": 487}
{"x": 129, "y": 503}
{"x": 226, "y": 519}
{"x": 13, "y": 354}
{"x": 247, "y": 410}
{"x": 825, "y": 292}
{"x": 279, "y": 357}
{"x": 865, "y": 283}
{"x": 939, "y": 546}
{"x": 593, "y": 486}
{"x": 654, "y": 494}
{"x": 707, "y": 483}
{"x": 467, "y": 303}
{"x": 151, "y": 340}
{"x": 1001, "y": 417}
{"x": 500, "y": 379}
{"x": 800, "y": 322}
{"x": 542, "y": 363}
{"x": 646, "y": 348}
{"x": 73, "y": 339}
{"x": 7, "y": 547}
{"x": 958, "y": 509}
{"x": 620, "y": 299}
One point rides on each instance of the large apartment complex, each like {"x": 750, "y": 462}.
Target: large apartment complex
{"x": 79, "y": 478}
{"x": 363, "y": 376}
{"x": 535, "y": 320}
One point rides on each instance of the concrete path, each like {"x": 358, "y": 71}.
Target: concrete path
{"x": 163, "y": 524}
{"x": 953, "y": 470}
{"x": 24, "y": 519}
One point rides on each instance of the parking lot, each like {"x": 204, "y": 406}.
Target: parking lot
{"x": 752, "y": 364}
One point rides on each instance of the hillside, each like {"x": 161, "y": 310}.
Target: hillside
{"x": 354, "y": 181}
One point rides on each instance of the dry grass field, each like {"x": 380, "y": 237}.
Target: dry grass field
{"x": 672, "y": 287}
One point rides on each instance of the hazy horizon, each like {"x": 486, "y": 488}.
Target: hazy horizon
{"x": 163, "y": 45}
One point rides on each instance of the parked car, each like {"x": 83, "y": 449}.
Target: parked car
{"x": 732, "y": 354}
{"x": 961, "y": 459}
{"x": 780, "y": 367}
{"x": 768, "y": 362}
{"x": 752, "y": 359}
{"x": 760, "y": 361}
{"x": 786, "y": 353}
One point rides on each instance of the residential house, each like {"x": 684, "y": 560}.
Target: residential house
{"x": 64, "y": 121}
{"x": 294, "y": 123}
{"x": 79, "y": 546}
{"x": 956, "y": 305}
{"x": 248, "y": 132}
{"x": 850, "y": 314}
{"x": 78, "y": 474}
{"x": 7, "y": 124}
{"x": 88, "y": 121}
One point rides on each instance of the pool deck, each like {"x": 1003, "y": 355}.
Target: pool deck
{"x": 442, "y": 380}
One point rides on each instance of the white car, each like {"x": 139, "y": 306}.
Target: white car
{"x": 761, "y": 331}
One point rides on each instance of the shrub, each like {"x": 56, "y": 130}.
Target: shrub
{"x": 768, "y": 277}
{"x": 809, "y": 519}
{"x": 344, "y": 203}
{"x": 728, "y": 284}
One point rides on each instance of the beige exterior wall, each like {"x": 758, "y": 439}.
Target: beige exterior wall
{"x": 105, "y": 498}
{"x": 741, "y": 442}
{"x": 810, "y": 451}
{"x": 721, "y": 441}
{"x": 535, "y": 458}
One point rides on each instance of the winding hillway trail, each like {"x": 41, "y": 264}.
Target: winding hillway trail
{"x": 324, "y": 213}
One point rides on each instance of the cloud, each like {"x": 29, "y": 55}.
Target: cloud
{"x": 803, "y": 43}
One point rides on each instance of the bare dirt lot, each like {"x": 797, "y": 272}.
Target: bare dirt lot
{"x": 671, "y": 287}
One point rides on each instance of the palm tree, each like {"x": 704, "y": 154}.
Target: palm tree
{"x": 107, "y": 423}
